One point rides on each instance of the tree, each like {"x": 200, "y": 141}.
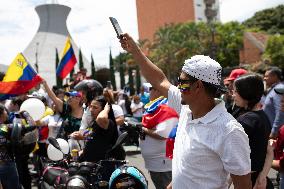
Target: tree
{"x": 58, "y": 79}
{"x": 130, "y": 80}
{"x": 121, "y": 71}
{"x": 229, "y": 41}
{"x": 111, "y": 69}
{"x": 138, "y": 79}
{"x": 121, "y": 63}
{"x": 173, "y": 44}
{"x": 270, "y": 20}
{"x": 93, "y": 68}
{"x": 81, "y": 62}
{"x": 275, "y": 50}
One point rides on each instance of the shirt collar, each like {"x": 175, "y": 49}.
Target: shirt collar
{"x": 212, "y": 115}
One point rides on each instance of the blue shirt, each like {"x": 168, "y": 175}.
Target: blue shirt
{"x": 272, "y": 108}
{"x": 145, "y": 98}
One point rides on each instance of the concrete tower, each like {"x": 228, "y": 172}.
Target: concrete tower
{"x": 51, "y": 35}
{"x": 153, "y": 14}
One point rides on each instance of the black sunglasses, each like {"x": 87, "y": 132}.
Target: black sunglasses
{"x": 182, "y": 81}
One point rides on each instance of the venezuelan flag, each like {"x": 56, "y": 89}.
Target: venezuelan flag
{"x": 19, "y": 78}
{"x": 67, "y": 62}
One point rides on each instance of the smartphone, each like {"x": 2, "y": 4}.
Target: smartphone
{"x": 116, "y": 27}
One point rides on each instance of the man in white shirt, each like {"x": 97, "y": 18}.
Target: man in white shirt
{"x": 210, "y": 144}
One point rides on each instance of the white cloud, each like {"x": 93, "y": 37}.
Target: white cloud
{"x": 242, "y": 9}
{"x": 89, "y": 25}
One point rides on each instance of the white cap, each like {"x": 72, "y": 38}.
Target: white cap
{"x": 147, "y": 87}
{"x": 203, "y": 68}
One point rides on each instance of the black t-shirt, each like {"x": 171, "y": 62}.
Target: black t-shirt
{"x": 70, "y": 123}
{"x": 100, "y": 142}
{"x": 257, "y": 126}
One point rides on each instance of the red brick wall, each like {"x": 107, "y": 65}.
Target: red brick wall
{"x": 152, "y": 14}
{"x": 250, "y": 54}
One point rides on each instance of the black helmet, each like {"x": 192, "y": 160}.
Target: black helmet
{"x": 92, "y": 88}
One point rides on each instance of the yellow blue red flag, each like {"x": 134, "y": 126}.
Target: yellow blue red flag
{"x": 19, "y": 78}
{"x": 67, "y": 61}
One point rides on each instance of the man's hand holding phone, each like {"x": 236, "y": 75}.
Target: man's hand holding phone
{"x": 127, "y": 42}
{"x": 116, "y": 27}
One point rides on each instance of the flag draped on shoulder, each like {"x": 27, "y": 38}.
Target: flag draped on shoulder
{"x": 19, "y": 78}
{"x": 67, "y": 61}
{"x": 158, "y": 113}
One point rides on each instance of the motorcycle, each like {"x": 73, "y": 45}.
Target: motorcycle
{"x": 134, "y": 130}
{"x": 68, "y": 174}
{"x": 55, "y": 169}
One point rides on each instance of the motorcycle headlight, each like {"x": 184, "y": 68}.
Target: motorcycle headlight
{"x": 77, "y": 182}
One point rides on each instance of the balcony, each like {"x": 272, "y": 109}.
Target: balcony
{"x": 209, "y": 3}
{"x": 210, "y": 13}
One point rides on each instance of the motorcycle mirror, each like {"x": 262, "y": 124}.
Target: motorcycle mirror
{"x": 279, "y": 90}
{"x": 120, "y": 140}
{"x": 54, "y": 143}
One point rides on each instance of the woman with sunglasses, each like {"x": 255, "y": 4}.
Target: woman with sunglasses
{"x": 71, "y": 111}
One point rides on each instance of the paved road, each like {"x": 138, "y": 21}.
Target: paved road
{"x": 134, "y": 157}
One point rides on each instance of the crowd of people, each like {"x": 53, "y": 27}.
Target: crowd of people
{"x": 217, "y": 131}
{"x": 220, "y": 138}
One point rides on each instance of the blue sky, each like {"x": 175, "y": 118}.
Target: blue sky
{"x": 89, "y": 26}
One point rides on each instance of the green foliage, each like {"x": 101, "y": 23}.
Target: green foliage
{"x": 58, "y": 79}
{"x": 131, "y": 80}
{"x": 173, "y": 44}
{"x": 81, "y": 62}
{"x": 269, "y": 20}
{"x": 121, "y": 59}
{"x": 121, "y": 71}
{"x": 93, "y": 68}
{"x": 121, "y": 64}
{"x": 111, "y": 69}
{"x": 229, "y": 40}
{"x": 275, "y": 50}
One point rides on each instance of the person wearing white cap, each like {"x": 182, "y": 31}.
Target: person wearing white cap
{"x": 210, "y": 144}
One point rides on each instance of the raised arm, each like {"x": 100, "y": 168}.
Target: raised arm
{"x": 102, "y": 118}
{"x": 150, "y": 71}
{"x": 57, "y": 101}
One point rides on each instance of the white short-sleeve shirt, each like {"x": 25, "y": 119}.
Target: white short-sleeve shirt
{"x": 54, "y": 123}
{"x": 154, "y": 150}
{"x": 117, "y": 110}
{"x": 207, "y": 149}
{"x": 138, "y": 113}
